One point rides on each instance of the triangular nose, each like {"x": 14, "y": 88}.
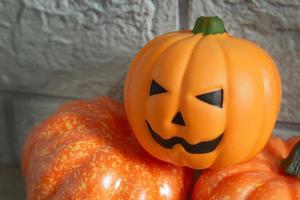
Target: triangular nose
{"x": 178, "y": 119}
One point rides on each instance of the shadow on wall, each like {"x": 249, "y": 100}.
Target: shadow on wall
{"x": 18, "y": 113}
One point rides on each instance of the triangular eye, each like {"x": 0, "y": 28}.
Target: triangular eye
{"x": 156, "y": 88}
{"x": 214, "y": 98}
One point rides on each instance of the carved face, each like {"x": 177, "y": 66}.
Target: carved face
{"x": 213, "y": 98}
{"x": 202, "y": 101}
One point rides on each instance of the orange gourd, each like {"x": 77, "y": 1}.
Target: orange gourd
{"x": 86, "y": 151}
{"x": 202, "y": 98}
{"x": 262, "y": 178}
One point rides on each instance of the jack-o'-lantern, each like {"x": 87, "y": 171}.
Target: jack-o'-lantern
{"x": 202, "y": 98}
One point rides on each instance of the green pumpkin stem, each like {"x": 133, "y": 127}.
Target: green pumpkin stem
{"x": 209, "y": 26}
{"x": 291, "y": 164}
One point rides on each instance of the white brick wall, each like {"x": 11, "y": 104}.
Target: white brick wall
{"x": 75, "y": 48}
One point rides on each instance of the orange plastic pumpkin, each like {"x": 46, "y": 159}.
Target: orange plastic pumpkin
{"x": 261, "y": 178}
{"x": 86, "y": 151}
{"x": 202, "y": 98}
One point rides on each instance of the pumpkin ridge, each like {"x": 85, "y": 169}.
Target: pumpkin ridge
{"x": 274, "y": 76}
{"x": 66, "y": 143}
{"x": 140, "y": 55}
{"x": 244, "y": 175}
{"x": 220, "y": 174}
{"x": 259, "y": 136}
{"x": 174, "y": 44}
{"x": 227, "y": 61}
{"x": 67, "y": 176}
{"x": 225, "y": 95}
{"x": 250, "y": 171}
{"x": 266, "y": 183}
{"x": 57, "y": 185}
{"x": 170, "y": 46}
{"x": 184, "y": 76}
{"x": 56, "y": 159}
{"x": 57, "y": 119}
{"x": 274, "y": 70}
{"x": 40, "y": 133}
{"x": 60, "y": 183}
{"x": 156, "y": 46}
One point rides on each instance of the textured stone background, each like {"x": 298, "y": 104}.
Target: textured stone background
{"x": 52, "y": 51}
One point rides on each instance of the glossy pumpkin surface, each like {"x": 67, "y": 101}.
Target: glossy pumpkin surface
{"x": 86, "y": 151}
{"x": 202, "y": 98}
{"x": 261, "y": 178}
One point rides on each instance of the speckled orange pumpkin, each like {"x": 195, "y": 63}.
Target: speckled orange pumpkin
{"x": 261, "y": 178}
{"x": 85, "y": 151}
{"x": 202, "y": 98}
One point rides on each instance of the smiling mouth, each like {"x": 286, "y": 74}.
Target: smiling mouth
{"x": 201, "y": 147}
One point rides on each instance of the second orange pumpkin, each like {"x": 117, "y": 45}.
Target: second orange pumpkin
{"x": 262, "y": 178}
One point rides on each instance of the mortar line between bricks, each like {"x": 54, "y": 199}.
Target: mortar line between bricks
{"x": 28, "y": 93}
{"x": 9, "y": 122}
{"x": 288, "y": 125}
{"x": 183, "y": 11}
